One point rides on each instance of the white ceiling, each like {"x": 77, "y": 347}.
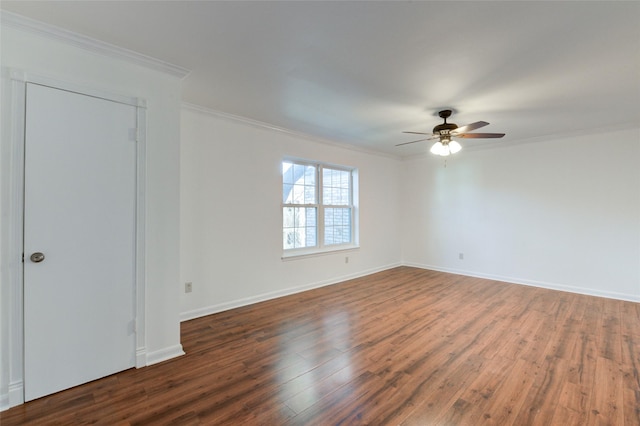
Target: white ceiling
{"x": 362, "y": 72}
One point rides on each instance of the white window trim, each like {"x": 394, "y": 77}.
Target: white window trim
{"x": 320, "y": 248}
{"x": 306, "y": 253}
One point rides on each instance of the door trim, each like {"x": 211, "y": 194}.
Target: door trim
{"x": 14, "y": 84}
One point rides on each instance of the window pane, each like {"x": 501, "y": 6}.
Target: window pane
{"x": 309, "y": 194}
{"x": 287, "y": 172}
{"x": 335, "y": 187}
{"x": 298, "y": 183}
{"x": 310, "y": 218}
{"x": 298, "y": 173}
{"x": 337, "y": 226}
{"x": 310, "y": 237}
{"x": 298, "y": 194}
{"x": 310, "y": 175}
{"x": 287, "y": 195}
{"x": 326, "y": 177}
{"x": 326, "y": 193}
{"x": 288, "y": 217}
{"x": 287, "y": 182}
{"x": 299, "y": 227}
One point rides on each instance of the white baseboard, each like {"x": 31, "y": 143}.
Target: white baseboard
{"x": 221, "y": 307}
{"x": 141, "y": 357}
{"x": 14, "y": 396}
{"x": 531, "y": 283}
{"x": 164, "y": 354}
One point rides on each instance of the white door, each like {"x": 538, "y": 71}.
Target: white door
{"x": 79, "y": 212}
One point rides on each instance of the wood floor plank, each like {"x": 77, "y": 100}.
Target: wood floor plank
{"x": 606, "y": 405}
{"x": 435, "y": 396}
{"x": 631, "y": 401}
{"x": 542, "y": 399}
{"x": 402, "y": 346}
{"x": 472, "y": 404}
{"x": 573, "y": 405}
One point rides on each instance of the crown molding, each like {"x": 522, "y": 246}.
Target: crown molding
{"x": 262, "y": 125}
{"x": 23, "y": 23}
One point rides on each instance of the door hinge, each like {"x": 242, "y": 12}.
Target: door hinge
{"x": 22, "y": 257}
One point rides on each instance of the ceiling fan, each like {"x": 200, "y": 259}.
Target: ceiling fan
{"x": 446, "y": 131}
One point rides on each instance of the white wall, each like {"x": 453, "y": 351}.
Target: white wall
{"x": 556, "y": 214}
{"x": 231, "y": 237}
{"x": 38, "y": 54}
{"x": 562, "y": 214}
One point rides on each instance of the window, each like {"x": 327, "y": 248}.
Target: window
{"x": 318, "y": 207}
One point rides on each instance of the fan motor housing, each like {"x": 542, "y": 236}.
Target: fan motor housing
{"x": 444, "y": 128}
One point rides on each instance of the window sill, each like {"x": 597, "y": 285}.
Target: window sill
{"x": 306, "y": 253}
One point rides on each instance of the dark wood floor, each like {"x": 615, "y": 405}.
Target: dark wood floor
{"x": 404, "y": 346}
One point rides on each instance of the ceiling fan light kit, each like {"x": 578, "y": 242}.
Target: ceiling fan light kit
{"x": 445, "y": 148}
{"x": 445, "y": 131}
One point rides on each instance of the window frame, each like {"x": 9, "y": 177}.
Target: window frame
{"x": 320, "y": 246}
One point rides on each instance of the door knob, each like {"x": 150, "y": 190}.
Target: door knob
{"x": 37, "y": 257}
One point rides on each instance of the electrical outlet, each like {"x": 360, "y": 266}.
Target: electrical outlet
{"x": 461, "y": 256}
{"x": 346, "y": 259}
{"x": 188, "y": 287}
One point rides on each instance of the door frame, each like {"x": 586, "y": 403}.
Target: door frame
{"x": 14, "y": 83}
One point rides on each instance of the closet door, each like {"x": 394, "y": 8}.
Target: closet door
{"x": 79, "y": 239}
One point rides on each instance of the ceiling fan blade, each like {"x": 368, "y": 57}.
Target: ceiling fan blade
{"x": 470, "y": 127}
{"x": 419, "y": 140}
{"x": 417, "y": 133}
{"x": 479, "y": 135}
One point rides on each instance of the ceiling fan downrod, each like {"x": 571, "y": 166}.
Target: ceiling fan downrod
{"x": 445, "y": 128}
